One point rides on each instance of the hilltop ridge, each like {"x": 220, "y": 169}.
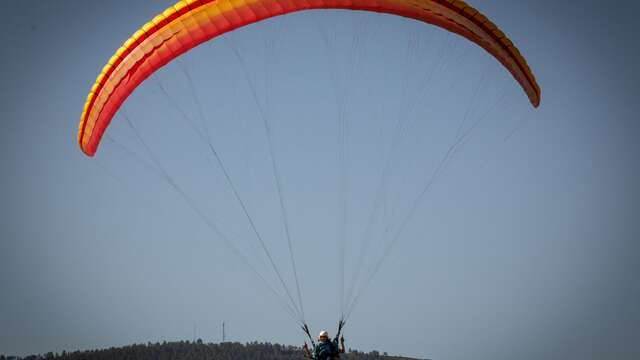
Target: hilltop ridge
{"x": 198, "y": 350}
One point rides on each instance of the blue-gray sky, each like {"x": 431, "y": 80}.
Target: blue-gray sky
{"x": 525, "y": 247}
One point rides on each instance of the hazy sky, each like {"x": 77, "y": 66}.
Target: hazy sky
{"x": 525, "y": 247}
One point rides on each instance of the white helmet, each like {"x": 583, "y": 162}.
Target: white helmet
{"x": 323, "y": 333}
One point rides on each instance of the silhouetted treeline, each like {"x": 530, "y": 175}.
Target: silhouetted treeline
{"x": 186, "y": 350}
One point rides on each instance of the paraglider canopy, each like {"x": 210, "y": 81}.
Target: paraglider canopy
{"x": 190, "y": 23}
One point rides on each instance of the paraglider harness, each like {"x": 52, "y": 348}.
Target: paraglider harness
{"x": 322, "y": 354}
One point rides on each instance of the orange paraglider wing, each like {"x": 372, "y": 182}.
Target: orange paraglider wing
{"x": 190, "y": 23}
